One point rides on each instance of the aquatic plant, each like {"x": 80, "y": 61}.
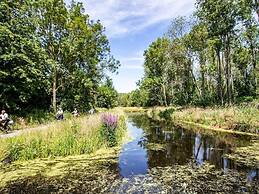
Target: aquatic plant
{"x": 167, "y": 113}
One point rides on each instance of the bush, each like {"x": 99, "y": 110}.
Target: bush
{"x": 167, "y": 114}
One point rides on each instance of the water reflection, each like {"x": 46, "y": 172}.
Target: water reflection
{"x": 133, "y": 157}
{"x": 179, "y": 147}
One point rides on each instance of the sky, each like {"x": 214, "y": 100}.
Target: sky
{"x": 131, "y": 26}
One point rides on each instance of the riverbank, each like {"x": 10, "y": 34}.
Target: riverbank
{"x": 153, "y": 161}
{"x": 240, "y": 120}
{"x": 71, "y": 137}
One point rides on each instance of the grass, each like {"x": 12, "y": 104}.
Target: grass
{"x": 69, "y": 137}
{"x": 35, "y": 118}
{"x": 233, "y": 118}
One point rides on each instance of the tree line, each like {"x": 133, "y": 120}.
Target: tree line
{"x": 53, "y": 54}
{"x": 207, "y": 59}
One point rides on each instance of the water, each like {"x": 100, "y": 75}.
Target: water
{"x": 176, "y": 146}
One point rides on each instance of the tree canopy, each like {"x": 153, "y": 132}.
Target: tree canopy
{"x": 51, "y": 55}
{"x": 209, "y": 58}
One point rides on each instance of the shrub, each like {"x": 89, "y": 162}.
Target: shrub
{"x": 167, "y": 114}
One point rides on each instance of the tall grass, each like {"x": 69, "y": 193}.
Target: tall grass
{"x": 244, "y": 119}
{"x": 36, "y": 118}
{"x": 70, "y": 137}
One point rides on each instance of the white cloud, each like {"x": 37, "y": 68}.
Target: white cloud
{"x": 121, "y": 17}
{"x": 134, "y": 61}
{"x": 132, "y": 67}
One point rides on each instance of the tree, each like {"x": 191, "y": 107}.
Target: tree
{"x": 107, "y": 95}
{"x": 214, "y": 51}
{"x": 51, "y": 51}
{"x": 22, "y": 60}
{"x": 155, "y": 67}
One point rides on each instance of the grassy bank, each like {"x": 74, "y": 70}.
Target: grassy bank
{"x": 233, "y": 118}
{"x": 240, "y": 119}
{"x": 71, "y": 137}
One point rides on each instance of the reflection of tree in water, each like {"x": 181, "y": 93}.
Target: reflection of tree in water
{"x": 177, "y": 142}
{"x": 181, "y": 146}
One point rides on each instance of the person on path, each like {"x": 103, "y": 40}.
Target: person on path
{"x": 60, "y": 114}
{"x": 75, "y": 113}
{"x": 4, "y": 119}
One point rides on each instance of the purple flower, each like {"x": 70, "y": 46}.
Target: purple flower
{"x": 110, "y": 120}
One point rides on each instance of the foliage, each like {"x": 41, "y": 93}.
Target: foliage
{"x": 111, "y": 130}
{"x": 207, "y": 59}
{"x": 22, "y": 81}
{"x": 167, "y": 114}
{"x": 107, "y": 95}
{"x": 51, "y": 54}
{"x": 108, "y": 130}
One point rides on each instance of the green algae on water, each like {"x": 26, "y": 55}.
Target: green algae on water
{"x": 156, "y": 146}
{"x": 48, "y": 171}
{"x": 248, "y": 155}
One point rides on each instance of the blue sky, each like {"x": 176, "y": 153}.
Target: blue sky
{"x": 131, "y": 25}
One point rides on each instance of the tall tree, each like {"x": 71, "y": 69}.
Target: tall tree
{"x": 22, "y": 60}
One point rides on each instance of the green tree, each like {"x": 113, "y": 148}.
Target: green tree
{"x": 22, "y": 60}
{"x": 107, "y": 95}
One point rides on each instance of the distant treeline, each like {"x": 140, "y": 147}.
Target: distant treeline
{"x": 210, "y": 58}
{"x": 53, "y": 55}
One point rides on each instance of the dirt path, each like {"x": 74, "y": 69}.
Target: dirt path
{"x": 19, "y": 132}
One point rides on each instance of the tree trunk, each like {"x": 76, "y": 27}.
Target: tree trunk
{"x": 257, "y": 8}
{"x": 219, "y": 86}
{"x": 164, "y": 94}
{"x": 54, "y": 91}
{"x": 202, "y": 64}
{"x": 228, "y": 71}
{"x": 253, "y": 53}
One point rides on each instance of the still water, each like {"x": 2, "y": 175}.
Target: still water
{"x": 176, "y": 146}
